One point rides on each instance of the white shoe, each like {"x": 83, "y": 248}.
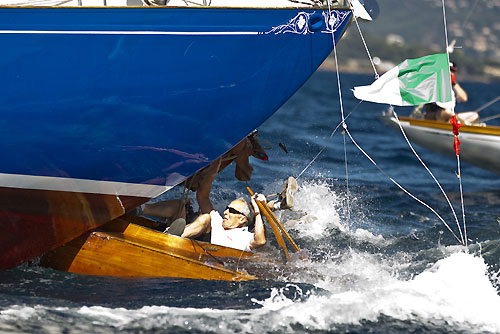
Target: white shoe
{"x": 286, "y": 196}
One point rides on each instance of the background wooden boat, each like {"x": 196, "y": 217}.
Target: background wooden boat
{"x": 480, "y": 143}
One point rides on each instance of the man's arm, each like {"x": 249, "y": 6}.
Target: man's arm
{"x": 460, "y": 93}
{"x": 259, "y": 235}
{"x": 200, "y": 226}
{"x": 203, "y": 192}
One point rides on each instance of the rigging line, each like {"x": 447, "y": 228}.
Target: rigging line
{"x": 453, "y": 111}
{"x": 207, "y": 252}
{"x": 376, "y": 77}
{"x": 239, "y": 260}
{"x": 487, "y": 104}
{"x": 324, "y": 146}
{"x": 401, "y": 187}
{"x": 366, "y": 47}
{"x": 481, "y": 120}
{"x": 429, "y": 171}
{"x": 462, "y": 198}
{"x": 344, "y": 125}
{"x": 446, "y": 33}
{"x": 468, "y": 15}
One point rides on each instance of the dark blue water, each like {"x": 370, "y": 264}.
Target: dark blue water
{"x": 379, "y": 262}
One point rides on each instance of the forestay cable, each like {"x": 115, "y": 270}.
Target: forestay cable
{"x": 324, "y": 146}
{"x": 344, "y": 125}
{"x": 459, "y": 174}
{"x": 462, "y": 199}
{"x": 366, "y": 47}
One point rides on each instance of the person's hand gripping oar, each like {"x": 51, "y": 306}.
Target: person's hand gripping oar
{"x": 275, "y": 224}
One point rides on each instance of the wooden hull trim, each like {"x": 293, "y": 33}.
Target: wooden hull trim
{"x": 480, "y": 145}
{"x": 128, "y": 250}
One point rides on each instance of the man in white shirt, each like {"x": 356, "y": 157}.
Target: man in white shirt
{"x": 231, "y": 229}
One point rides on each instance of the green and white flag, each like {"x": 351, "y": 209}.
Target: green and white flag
{"x": 413, "y": 82}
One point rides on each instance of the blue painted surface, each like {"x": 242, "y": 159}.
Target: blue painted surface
{"x": 145, "y": 108}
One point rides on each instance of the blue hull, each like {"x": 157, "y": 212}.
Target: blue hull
{"x": 132, "y": 107}
{"x": 128, "y": 102}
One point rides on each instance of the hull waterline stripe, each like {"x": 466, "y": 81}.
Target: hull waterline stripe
{"x": 99, "y": 32}
{"x": 81, "y": 185}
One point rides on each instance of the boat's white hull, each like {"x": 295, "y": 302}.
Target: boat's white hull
{"x": 480, "y": 146}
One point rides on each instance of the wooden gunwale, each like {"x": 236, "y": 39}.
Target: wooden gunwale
{"x": 125, "y": 249}
{"x": 142, "y": 229}
{"x": 477, "y": 129}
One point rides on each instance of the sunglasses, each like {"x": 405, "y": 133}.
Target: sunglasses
{"x": 234, "y": 211}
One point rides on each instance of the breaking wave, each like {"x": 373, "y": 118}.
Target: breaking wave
{"x": 356, "y": 283}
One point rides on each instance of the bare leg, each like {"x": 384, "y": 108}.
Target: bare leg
{"x": 166, "y": 209}
{"x": 468, "y": 117}
{"x": 203, "y": 193}
{"x": 175, "y": 208}
{"x": 202, "y": 224}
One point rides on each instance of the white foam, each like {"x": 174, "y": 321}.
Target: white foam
{"x": 321, "y": 205}
{"x": 455, "y": 291}
{"x": 456, "y": 288}
{"x": 150, "y": 317}
{"x": 116, "y": 317}
{"x": 18, "y": 312}
{"x": 278, "y": 300}
{"x": 368, "y": 236}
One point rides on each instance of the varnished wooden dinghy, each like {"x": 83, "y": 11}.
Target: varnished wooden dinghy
{"x": 125, "y": 248}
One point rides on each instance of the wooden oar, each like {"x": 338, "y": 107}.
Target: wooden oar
{"x": 277, "y": 222}
{"x": 288, "y": 237}
{"x": 277, "y": 234}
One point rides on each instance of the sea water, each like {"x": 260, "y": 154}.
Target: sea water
{"x": 372, "y": 260}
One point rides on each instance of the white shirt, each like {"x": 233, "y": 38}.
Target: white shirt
{"x": 449, "y": 105}
{"x": 239, "y": 238}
